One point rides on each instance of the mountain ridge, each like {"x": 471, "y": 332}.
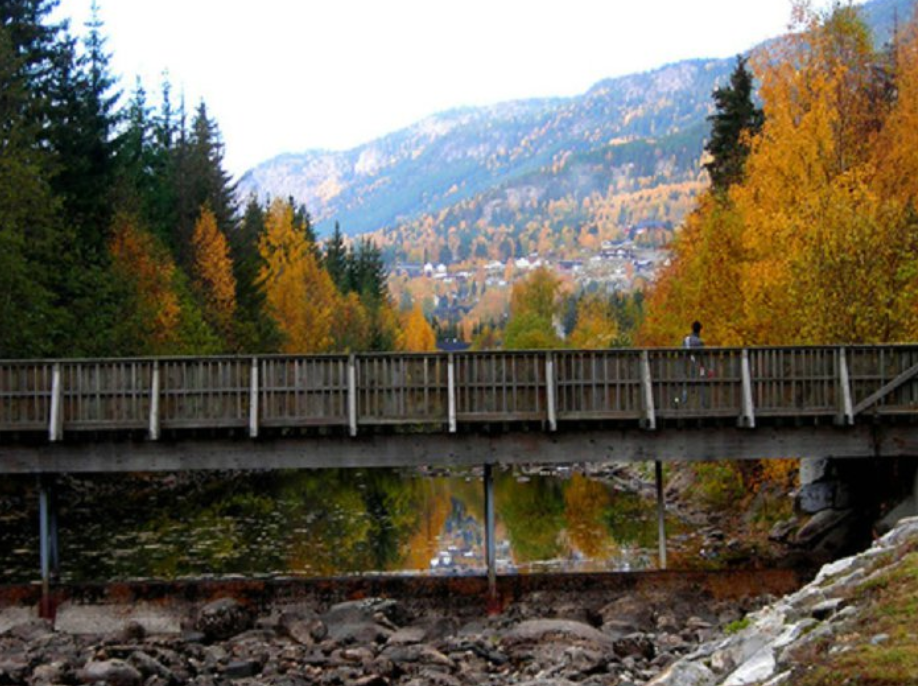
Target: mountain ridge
{"x": 431, "y": 167}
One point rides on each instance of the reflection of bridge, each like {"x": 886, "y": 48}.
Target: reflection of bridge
{"x": 456, "y": 409}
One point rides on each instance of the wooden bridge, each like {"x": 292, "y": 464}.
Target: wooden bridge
{"x": 455, "y": 409}
{"x": 485, "y": 408}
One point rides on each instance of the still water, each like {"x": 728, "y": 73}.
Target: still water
{"x": 323, "y": 523}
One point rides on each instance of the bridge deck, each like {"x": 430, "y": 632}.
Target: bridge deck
{"x": 78, "y": 403}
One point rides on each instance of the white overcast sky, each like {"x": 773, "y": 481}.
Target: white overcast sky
{"x": 290, "y": 75}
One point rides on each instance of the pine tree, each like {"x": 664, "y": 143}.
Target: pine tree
{"x": 27, "y": 216}
{"x": 336, "y": 261}
{"x": 736, "y": 119}
{"x": 82, "y": 136}
{"x": 200, "y": 179}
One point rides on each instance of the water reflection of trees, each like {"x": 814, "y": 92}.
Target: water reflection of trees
{"x": 328, "y": 522}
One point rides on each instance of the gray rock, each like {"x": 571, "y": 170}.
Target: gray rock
{"x": 363, "y": 633}
{"x": 223, "y": 619}
{"x": 13, "y": 671}
{"x": 31, "y": 630}
{"x": 408, "y": 635}
{"x": 52, "y": 673}
{"x": 242, "y": 669}
{"x": 814, "y": 469}
{"x": 816, "y": 497}
{"x": 430, "y": 677}
{"x": 826, "y": 608}
{"x": 685, "y": 673}
{"x": 820, "y": 525}
{"x": 635, "y": 645}
{"x": 305, "y": 629}
{"x": 366, "y": 610}
{"x": 111, "y": 672}
{"x": 150, "y": 666}
{"x": 419, "y": 653}
{"x": 628, "y": 611}
{"x": 757, "y": 669}
{"x": 879, "y": 639}
{"x": 536, "y": 630}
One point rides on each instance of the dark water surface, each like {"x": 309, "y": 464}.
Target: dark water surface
{"x": 323, "y": 523}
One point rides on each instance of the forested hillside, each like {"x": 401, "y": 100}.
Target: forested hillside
{"x": 120, "y": 233}
{"x": 635, "y": 131}
{"x": 499, "y": 182}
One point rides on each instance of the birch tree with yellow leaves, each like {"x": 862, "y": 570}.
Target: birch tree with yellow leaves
{"x": 818, "y": 243}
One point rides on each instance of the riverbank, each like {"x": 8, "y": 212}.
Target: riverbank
{"x": 593, "y": 629}
{"x": 855, "y": 623}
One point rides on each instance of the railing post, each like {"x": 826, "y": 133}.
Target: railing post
{"x": 56, "y": 419}
{"x": 352, "y": 395}
{"x": 253, "y": 400}
{"x": 747, "y": 418}
{"x": 845, "y": 415}
{"x": 451, "y": 391}
{"x": 550, "y": 392}
{"x": 154, "y": 403}
{"x": 649, "y": 420}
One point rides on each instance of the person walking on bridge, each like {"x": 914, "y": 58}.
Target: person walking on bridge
{"x": 693, "y": 340}
{"x": 693, "y": 367}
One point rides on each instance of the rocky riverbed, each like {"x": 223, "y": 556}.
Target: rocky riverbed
{"x": 547, "y": 638}
{"x": 657, "y": 634}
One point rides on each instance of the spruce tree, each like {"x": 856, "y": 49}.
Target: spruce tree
{"x": 27, "y": 214}
{"x": 336, "y": 260}
{"x": 736, "y": 118}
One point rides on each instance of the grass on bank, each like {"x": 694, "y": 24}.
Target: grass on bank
{"x": 882, "y": 647}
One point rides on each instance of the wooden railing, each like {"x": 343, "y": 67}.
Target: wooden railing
{"x": 443, "y": 391}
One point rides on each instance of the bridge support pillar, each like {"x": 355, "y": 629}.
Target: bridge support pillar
{"x": 490, "y": 547}
{"x": 661, "y": 514}
{"x": 48, "y": 545}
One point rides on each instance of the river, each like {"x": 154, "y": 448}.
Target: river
{"x": 326, "y": 523}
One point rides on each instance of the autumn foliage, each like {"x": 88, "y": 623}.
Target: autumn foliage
{"x": 817, "y": 243}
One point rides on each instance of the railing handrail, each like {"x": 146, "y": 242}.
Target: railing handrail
{"x": 377, "y": 354}
{"x": 442, "y": 388}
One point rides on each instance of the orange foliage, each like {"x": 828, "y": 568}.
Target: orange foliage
{"x": 300, "y": 295}
{"x": 139, "y": 260}
{"x": 585, "y": 504}
{"x": 596, "y": 327}
{"x": 418, "y": 335}
{"x": 213, "y": 270}
{"x": 816, "y": 245}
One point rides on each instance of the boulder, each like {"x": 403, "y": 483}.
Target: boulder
{"x": 379, "y": 610}
{"x": 537, "y": 630}
{"x": 362, "y": 633}
{"x": 223, "y": 619}
{"x": 111, "y": 672}
{"x": 628, "y": 612}
{"x": 685, "y": 673}
{"x": 755, "y": 670}
{"x": 304, "y": 628}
